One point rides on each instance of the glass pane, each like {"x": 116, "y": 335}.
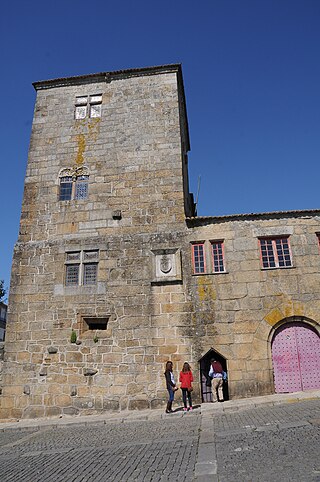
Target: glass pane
{"x": 87, "y": 255}
{"x": 72, "y": 275}
{"x": 81, "y": 112}
{"x": 95, "y": 110}
{"x": 81, "y": 100}
{"x": 96, "y": 98}
{"x": 90, "y": 274}
{"x": 75, "y": 256}
{"x": 81, "y": 190}
{"x": 65, "y": 190}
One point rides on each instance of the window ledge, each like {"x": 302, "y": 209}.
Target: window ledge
{"x": 278, "y": 267}
{"x": 210, "y": 274}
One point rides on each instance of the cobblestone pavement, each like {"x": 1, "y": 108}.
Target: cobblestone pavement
{"x": 236, "y": 442}
{"x": 279, "y": 443}
{"x": 157, "y": 450}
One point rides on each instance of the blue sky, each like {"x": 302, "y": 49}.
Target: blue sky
{"x": 252, "y": 78}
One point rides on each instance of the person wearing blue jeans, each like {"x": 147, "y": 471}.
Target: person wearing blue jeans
{"x": 171, "y": 385}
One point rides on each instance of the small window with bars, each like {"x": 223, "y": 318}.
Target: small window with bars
{"x": 275, "y": 252}
{"x": 198, "y": 258}
{"x": 217, "y": 249}
{"x": 81, "y": 268}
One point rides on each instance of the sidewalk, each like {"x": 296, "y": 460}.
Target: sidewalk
{"x": 206, "y": 409}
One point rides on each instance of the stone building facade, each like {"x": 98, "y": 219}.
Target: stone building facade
{"x": 114, "y": 273}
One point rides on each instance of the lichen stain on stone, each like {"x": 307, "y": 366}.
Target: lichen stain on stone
{"x": 205, "y": 291}
{"x": 81, "y": 147}
{"x": 94, "y": 127}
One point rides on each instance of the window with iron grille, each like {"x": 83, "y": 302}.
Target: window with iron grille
{"x": 218, "y": 265}
{"x": 198, "y": 258}
{"x": 275, "y": 252}
{"x": 88, "y": 105}
{"x": 81, "y": 268}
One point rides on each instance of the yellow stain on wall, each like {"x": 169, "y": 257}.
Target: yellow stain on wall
{"x": 285, "y": 311}
{"x": 81, "y": 147}
{"x": 205, "y": 291}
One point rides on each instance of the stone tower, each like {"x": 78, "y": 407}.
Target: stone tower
{"x": 98, "y": 259}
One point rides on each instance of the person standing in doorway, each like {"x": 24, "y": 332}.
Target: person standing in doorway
{"x": 216, "y": 373}
{"x": 186, "y": 380}
{"x": 171, "y": 385}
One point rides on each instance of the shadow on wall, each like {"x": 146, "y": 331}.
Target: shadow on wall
{"x": 205, "y": 381}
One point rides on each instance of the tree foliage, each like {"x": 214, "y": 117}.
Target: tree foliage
{"x": 2, "y": 290}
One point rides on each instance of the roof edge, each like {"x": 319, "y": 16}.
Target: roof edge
{"x": 200, "y": 220}
{"x": 106, "y": 76}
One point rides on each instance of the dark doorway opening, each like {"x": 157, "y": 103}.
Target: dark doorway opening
{"x": 205, "y": 381}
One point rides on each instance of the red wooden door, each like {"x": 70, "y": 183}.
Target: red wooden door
{"x": 296, "y": 358}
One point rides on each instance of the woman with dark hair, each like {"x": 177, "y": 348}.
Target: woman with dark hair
{"x": 186, "y": 380}
{"x": 171, "y": 385}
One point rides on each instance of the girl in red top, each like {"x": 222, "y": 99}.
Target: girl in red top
{"x": 186, "y": 380}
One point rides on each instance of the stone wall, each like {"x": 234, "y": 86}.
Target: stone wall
{"x": 86, "y": 348}
{"x": 134, "y": 215}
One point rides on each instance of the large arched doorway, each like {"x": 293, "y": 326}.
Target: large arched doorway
{"x": 296, "y": 357}
{"x": 206, "y": 390}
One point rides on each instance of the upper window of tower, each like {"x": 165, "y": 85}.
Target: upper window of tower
{"x": 74, "y": 184}
{"x": 89, "y": 105}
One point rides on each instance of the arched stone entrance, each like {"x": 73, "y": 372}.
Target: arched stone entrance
{"x": 206, "y": 391}
{"x": 296, "y": 357}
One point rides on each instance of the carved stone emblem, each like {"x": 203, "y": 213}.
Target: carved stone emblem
{"x": 165, "y": 264}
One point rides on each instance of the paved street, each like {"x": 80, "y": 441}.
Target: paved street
{"x": 235, "y": 441}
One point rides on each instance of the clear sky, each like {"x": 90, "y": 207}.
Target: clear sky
{"x": 252, "y": 78}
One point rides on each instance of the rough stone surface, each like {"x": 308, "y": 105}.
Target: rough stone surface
{"x": 152, "y": 307}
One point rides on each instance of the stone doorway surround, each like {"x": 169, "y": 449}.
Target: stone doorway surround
{"x": 204, "y": 365}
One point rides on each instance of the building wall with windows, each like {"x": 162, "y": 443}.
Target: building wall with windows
{"x": 254, "y": 273}
{"x": 114, "y": 274}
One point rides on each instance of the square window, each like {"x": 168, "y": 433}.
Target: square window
{"x": 95, "y": 110}
{"x": 81, "y": 268}
{"x": 81, "y": 111}
{"x": 275, "y": 252}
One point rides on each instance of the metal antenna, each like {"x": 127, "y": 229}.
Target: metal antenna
{"x": 198, "y": 190}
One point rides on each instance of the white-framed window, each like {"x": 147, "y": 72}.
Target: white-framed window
{"x": 198, "y": 258}
{"x": 217, "y": 250}
{"x": 275, "y": 252}
{"x": 88, "y": 106}
{"x": 208, "y": 257}
{"x": 81, "y": 268}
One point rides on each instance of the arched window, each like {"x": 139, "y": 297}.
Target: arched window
{"x": 74, "y": 183}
